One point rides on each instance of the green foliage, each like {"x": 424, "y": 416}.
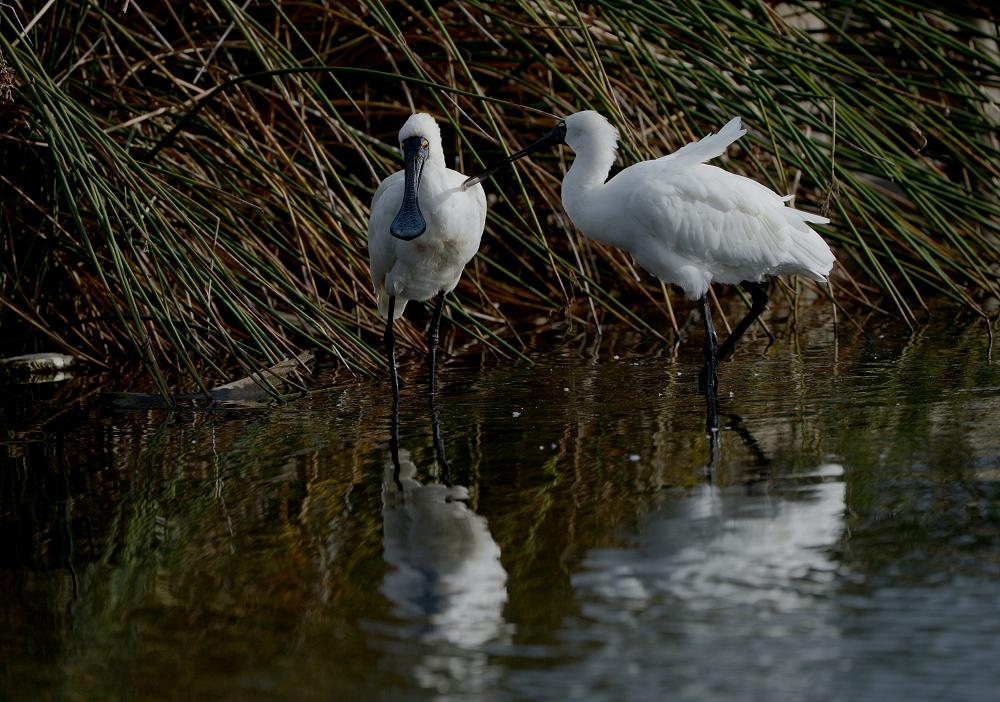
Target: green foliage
{"x": 240, "y": 239}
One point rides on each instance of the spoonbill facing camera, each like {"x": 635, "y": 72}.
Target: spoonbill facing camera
{"x": 425, "y": 226}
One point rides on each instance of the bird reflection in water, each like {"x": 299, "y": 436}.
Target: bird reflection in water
{"x": 446, "y": 566}
{"x": 439, "y": 450}
{"x": 734, "y": 423}
{"x": 445, "y": 579}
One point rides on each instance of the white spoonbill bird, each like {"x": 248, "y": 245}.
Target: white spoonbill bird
{"x": 684, "y": 221}
{"x": 424, "y": 227}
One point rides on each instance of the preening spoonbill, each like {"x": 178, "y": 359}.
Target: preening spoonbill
{"x": 424, "y": 227}
{"x": 684, "y": 221}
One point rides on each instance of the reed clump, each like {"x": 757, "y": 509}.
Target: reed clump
{"x": 238, "y": 239}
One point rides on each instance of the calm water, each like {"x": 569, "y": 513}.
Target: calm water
{"x": 845, "y": 545}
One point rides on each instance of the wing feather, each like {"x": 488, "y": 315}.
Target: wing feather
{"x": 735, "y": 227}
{"x": 381, "y": 244}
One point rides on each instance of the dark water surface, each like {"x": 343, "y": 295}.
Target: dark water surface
{"x": 846, "y": 547}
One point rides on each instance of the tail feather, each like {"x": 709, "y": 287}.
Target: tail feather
{"x": 799, "y": 215}
{"x": 710, "y": 146}
{"x": 813, "y": 253}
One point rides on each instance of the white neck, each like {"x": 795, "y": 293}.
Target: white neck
{"x": 582, "y": 186}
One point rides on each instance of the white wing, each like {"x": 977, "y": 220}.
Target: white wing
{"x": 381, "y": 244}
{"x": 731, "y": 227}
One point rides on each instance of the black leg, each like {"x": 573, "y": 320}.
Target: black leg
{"x": 432, "y": 337}
{"x": 708, "y": 371}
{"x": 714, "y": 452}
{"x": 390, "y": 354}
{"x": 432, "y": 344}
{"x": 758, "y": 297}
{"x": 439, "y": 444}
{"x": 394, "y": 446}
{"x": 711, "y": 346}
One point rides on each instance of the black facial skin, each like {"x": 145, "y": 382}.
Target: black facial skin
{"x": 409, "y": 223}
{"x": 556, "y": 136}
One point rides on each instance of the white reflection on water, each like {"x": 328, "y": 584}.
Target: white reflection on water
{"x": 722, "y": 596}
{"x": 446, "y": 579}
{"x": 721, "y": 548}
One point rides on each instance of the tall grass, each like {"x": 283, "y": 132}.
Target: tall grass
{"x": 239, "y": 238}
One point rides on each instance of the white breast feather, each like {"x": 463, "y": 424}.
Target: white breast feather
{"x": 419, "y": 269}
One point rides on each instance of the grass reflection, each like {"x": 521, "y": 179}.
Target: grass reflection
{"x": 235, "y": 554}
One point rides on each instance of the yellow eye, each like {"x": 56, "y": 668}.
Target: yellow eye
{"x": 424, "y": 144}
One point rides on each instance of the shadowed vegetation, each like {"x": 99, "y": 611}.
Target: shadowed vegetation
{"x": 241, "y": 239}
